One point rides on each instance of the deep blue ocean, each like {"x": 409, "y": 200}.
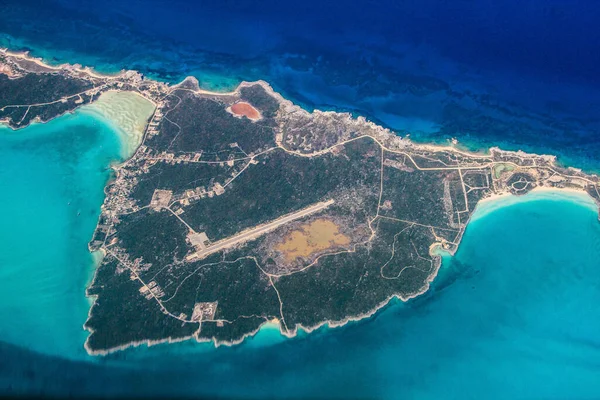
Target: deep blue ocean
{"x": 512, "y": 315}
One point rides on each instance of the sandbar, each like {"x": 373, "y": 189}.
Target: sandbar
{"x": 128, "y": 112}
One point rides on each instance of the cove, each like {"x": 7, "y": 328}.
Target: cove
{"x": 52, "y": 177}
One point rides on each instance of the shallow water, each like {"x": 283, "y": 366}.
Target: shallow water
{"x": 52, "y": 179}
{"x": 127, "y": 113}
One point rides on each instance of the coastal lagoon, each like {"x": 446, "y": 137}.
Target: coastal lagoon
{"x": 512, "y": 314}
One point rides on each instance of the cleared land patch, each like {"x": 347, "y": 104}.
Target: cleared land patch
{"x": 319, "y": 235}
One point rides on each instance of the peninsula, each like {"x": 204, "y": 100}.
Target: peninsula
{"x": 238, "y": 209}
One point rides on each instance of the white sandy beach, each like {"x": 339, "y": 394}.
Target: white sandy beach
{"x": 498, "y": 201}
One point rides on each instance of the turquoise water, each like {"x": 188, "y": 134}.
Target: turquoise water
{"x": 512, "y": 315}
{"x": 52, "y": 178}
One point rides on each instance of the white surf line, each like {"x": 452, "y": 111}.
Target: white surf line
{"x": 257, "y": 231}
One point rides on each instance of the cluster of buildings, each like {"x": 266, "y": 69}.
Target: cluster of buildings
{"x": 200, "y": 192}
{"x": 152, "y": 289}
{"x": 171, "y": 158}
{"x": 118, "y": 202}
{"x": 125, "y": 265}
{"x": 152, "y": 129}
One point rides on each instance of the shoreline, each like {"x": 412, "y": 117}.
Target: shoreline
{"x": 127, "y": 112}
{"x": 498, "y": 199}
{"x": 472, "y": 148}
{"x": 26, "y": 56}
{"x": 452, "y": 146}
{"x": 541, "y": 193}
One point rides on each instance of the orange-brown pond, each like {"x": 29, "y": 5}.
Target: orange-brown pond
{"x": 245, "y": 109}
{"x": 311, "y": 238}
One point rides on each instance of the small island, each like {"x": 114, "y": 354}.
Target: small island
{"x": 239, "y": 209}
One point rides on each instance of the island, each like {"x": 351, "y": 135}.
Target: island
{"x": 239, "y": 209}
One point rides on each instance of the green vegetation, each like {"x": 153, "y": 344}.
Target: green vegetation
{"x": 44, "y": 89}
{"x": 192, "y": 224}
{"x": 212, "y": 129}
